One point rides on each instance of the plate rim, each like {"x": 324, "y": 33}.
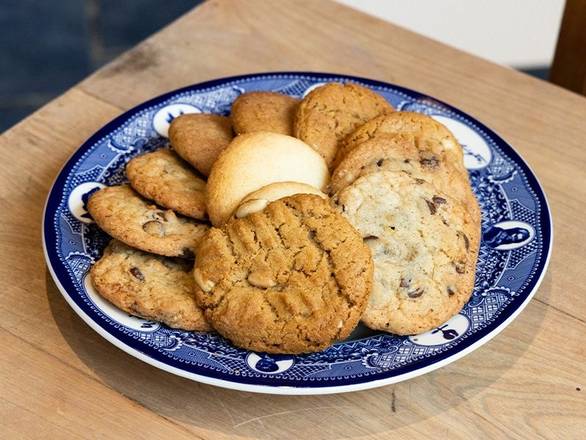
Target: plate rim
{"x": 314, "y": 388}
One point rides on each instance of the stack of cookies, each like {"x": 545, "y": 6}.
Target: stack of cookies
{"x": 304, "y": 217}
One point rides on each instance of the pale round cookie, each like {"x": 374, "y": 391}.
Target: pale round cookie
{"x": 293, "y": 278}
{"x": 199, "y": 138}
{"x": 149, "y": 286}
{"x": 264, "y": 111}
{"x": 331, "y": 112}
{"x": 126, "y": 216}
{"x": 435, "y": 142}
{"x": 255, "y": 160}
{"x": 424, "y": 246}
{"x": 258, "y": 200}
{"x": 165, "y": 178}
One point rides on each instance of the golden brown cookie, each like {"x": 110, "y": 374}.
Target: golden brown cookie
{"x": 436, "y": 144}
{"x": 149, "y": 286}
{"x": 165, "y": 178}
{"x": 199, "y": 138}
{"x": 126, "y": 216}
{"x": 254, "y": 160}
{"x": 424, "y": 246}
{"x": 292, "y": 278}
{"x": 331, "y": 112}
{"x": 264, "y": 111}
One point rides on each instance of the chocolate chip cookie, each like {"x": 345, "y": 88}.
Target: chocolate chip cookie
{"x": 149, "y": 286}
{"x": 200, "y": 138}
{"x": 165, "y": 178}
{"x": 424, "y": 245}
{"x": 292, "y": 278}
{"x": 126, "y": 216}
{"x": 401, "y": 153}
{"x": 393, "y": 152}
{"x": 331, "y": 112}
{"x": 264, "y": 111}
{"x": 436, "y": 144}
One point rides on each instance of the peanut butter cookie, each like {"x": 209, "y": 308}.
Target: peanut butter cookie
{"x": 292, "y": 278}
{"x": 149, "y": 286}
{"x": 126, "y": 216}
{"x": 331, "y": 112}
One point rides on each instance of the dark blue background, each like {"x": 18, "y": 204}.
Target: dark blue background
{"x": 47, "y": 46}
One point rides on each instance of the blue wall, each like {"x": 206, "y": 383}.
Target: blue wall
{"x": 47, "y": 46}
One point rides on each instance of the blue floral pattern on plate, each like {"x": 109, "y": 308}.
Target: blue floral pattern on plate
{"x": 516, "y": 242}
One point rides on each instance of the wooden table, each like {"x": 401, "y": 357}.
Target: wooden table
{"x": 59, "y": 379}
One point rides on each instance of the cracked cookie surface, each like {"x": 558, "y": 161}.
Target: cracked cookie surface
{"x": 165, "y": 178}
{"x": 424, "y": 246}
{"x": 199, "y": 138}
{"x": 149, "y": 286}
{"x": 331, "y": 112}
{"x": 126, "y": 216}
{"x": 264, "y": 111}
{"x": 292, "y": 278}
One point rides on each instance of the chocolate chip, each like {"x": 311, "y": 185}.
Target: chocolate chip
{"x": 136, "y": 273}
{"x": 460, "y": 267}
{"x": 404, "y": 282}
{"x": 379, "y": 163}
{"x": 431, "y": 162}
{"x": 154, "y": 227}
{"x": 187, "y": 253}
{"x": 431, "y": 206}
{"x": 437, "y": 200}
{"x": 465, "y": 238}
{"x": 416, "y": 293}
{"x": 450, "y": 291}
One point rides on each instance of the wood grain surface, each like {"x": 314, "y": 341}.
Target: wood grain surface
{"x": 59, "y": 379}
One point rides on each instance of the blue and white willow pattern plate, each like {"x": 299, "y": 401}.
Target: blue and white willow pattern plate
{"x": 516, "y": 243}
